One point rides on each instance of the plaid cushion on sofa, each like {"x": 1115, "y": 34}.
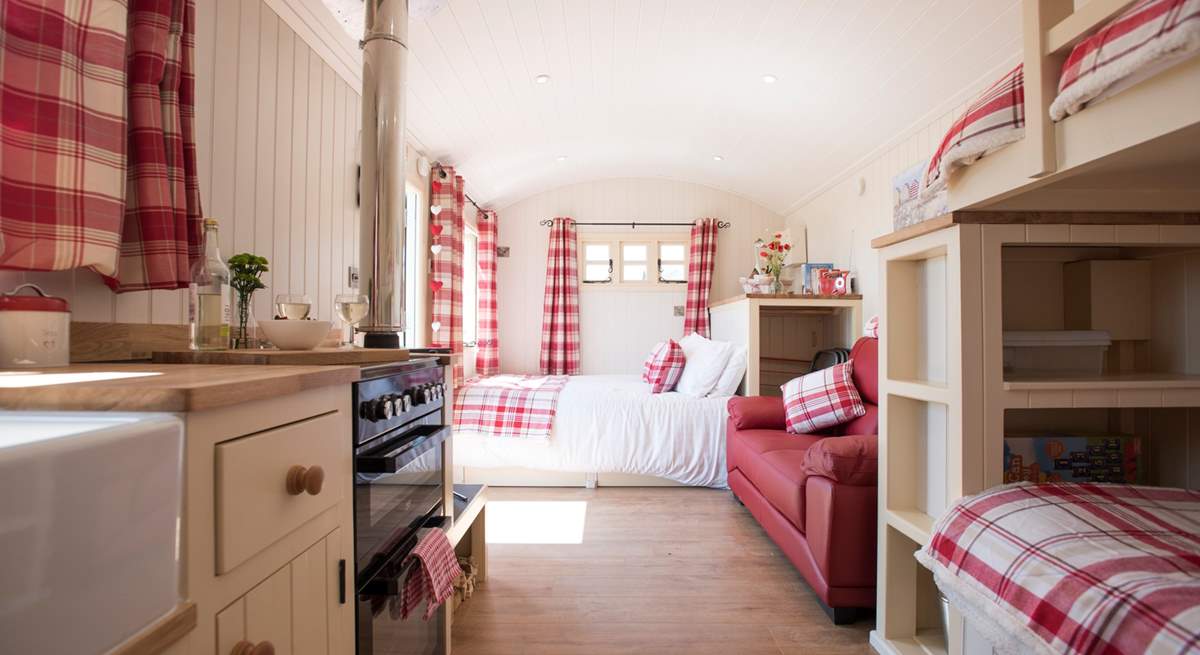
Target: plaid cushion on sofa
{"x": 663, "y": 367}
{"x": 822, "y": 399}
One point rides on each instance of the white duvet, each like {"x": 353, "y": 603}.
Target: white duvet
{"x": 613, "y": 424}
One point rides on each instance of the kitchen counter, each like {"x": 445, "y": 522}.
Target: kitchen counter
{"x": 145, "y": 387}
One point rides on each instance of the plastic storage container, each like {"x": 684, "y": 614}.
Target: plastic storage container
{"x": 35, "y": 330}
{"x": 1057, "y": 352}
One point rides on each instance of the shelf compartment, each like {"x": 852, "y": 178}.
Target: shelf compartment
{"x": 918, "y": 390}
{"x": 924, "y": 642}
{"x": 915, "y": 524}
{"x": 917, "y": 321}
{"x": 917, "y": 453}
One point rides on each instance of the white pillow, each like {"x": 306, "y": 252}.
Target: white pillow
{"x": 731, "y": 377}
{"x": 704, "y": 362}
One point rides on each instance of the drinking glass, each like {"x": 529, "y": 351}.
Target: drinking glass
{"x": 351, "y": 308}
{"x": 292, "y": 306}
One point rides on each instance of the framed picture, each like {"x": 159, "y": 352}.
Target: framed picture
{"x": 811, "y": 277}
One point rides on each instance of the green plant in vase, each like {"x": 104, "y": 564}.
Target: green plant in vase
{"x": 245, "y": 271}
{"x": 773, "y": 254}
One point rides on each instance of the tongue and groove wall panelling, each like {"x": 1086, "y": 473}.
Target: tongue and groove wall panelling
{"x": 277, "y": 139}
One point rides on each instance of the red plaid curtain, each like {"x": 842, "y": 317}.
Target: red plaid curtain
{"x": 445, "y": 284}
{"x": 163, "y": 225}
{"x": 62, "y": 134}
{"x": 487, "y": 354}
{"x": 560, "y": 307}
{"x": 702, "y": 255}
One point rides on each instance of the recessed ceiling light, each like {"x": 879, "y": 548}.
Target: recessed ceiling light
{"x": 769, "y": 79}
{"x": 561, "y": 158}
{"x": 718, "y": 158}
{"x": 542, "y": 79}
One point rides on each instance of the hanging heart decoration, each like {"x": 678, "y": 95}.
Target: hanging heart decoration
{"x": 435, "y": 209}
{"x": 435, "y": 185}
{"x": 436, "y": 249}
{"x": 435, "y": 230}
{"x": 436, "y": 325}
{"x": 435, "y": 285}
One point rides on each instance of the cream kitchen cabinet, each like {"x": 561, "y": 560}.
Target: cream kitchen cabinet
{"x": 268, "y": 525}
{"x": 295, "y": 611}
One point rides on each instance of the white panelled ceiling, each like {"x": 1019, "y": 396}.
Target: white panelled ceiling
{"x": 661, "y": 88}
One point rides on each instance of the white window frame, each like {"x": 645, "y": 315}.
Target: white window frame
{"x": 616, "y": 242}
{"x": 470, "y": 304}
{"x": 584, "y": 261}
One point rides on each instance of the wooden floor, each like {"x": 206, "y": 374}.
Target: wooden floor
{"x": 660, "y": 571}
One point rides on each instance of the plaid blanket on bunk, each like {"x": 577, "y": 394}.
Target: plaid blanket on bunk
{"x": 993, "y": 119}
{"x": 1149, "y": 33}
{"x": 519, "y": 406}
{"x": 1074, "y": 568}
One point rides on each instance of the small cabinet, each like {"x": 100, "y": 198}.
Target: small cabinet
{"x": 298, "y": 610}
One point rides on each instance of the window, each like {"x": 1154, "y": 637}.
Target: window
{"x": 470, "y": 296}
{"x": 640, "y": 260}
{"x": 672, "y": 262}
{"x": 412, "y": 269}
{"x": 634, "y": 261}
{"x": 597, "y": 262}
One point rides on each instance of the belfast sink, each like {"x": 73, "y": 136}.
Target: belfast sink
{"x": 90, "y": 507}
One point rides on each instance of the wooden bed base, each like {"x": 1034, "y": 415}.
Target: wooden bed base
{"x": 523, "y": 477}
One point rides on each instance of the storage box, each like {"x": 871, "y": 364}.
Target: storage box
{"x": 1074, "y": 458}
{"x": 1055, "y": 352}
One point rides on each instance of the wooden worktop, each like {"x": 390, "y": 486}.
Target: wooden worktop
{"x": 1001, "y": 217}
{"x": 173, "y": 388}
{"x": 784, "y": 296}
{"x": 315, "y": 356}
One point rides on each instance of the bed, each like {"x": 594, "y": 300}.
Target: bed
{"x": 1083, "y": 60}
{"x": 601, "y": 424}
{"x": 1073, "y": 568}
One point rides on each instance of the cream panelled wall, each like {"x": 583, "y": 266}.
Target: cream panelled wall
{"x": 277, "y": 142}
{"x": 841, "y": 221}
{"x": 618, "y": 326}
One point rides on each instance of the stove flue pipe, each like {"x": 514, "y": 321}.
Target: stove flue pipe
{"x": 382, "y": 238}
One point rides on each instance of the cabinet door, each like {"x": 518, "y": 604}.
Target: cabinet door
{"x": 297, "y": 609}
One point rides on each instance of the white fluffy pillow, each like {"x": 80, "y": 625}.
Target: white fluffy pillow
{"x": 705, "y": 361}
{"x": 731, "y": 377}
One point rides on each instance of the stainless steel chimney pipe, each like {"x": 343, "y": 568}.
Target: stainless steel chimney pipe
{"x": 381, "y": 185}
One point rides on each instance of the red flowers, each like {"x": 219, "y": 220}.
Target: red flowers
{"x": 763, "y": 254}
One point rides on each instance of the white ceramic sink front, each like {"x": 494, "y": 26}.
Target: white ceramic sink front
{"x": 90, "y": 509}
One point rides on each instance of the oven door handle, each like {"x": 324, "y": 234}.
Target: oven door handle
{"x": 390, "y": 458}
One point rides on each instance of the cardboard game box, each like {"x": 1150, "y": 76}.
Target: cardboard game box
{"x": 1074, "y": 458}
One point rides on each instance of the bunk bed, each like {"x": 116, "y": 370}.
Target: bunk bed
{"x": 1113, "y": 184}
{"x": 1099, "y": 88}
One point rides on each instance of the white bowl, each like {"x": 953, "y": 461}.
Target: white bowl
{"x": 288, "y": 334}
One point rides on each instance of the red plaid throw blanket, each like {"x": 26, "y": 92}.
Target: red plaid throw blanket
{"x": 1074, "y": 568}
{"x": 994, "y": 119}
{"x": 62, "y": 134}
{"x": 509, "y": 405}
{"x": 1150, "y": 33}
{"x": 433, "y": 577}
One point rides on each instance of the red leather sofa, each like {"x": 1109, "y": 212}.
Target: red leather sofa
{"x": 815, "y": 494}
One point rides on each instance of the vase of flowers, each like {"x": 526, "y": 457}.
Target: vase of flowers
{"x": 771, "y": 256}
{"x": 245, "y": 277}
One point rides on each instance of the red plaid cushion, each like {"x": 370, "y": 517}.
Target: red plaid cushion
{"x": 821, "y": 399}
{"x": 664, "y": 366}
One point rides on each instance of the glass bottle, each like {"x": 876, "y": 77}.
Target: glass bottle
{"x": 210, "y": 310}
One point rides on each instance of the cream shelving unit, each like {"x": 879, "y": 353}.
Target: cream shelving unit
{"x": 945, "y": 401}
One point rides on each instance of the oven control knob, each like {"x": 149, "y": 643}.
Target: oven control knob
{"x": 421, "y": 396}
{"x": 393, "y": 405}
{"x": 441, "y": 390}
{"x": 377, "y": 410}
{"x": 406, "y": 401}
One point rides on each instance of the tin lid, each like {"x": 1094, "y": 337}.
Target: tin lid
{"x": 42, "y": 302}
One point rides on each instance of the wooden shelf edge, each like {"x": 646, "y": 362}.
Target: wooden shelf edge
{"x": 918, "y": 390}
{"x": 1119, "y": 382}
{"x": 781, "y": 296}
{"x": 925, "y": 642}
{"x": 162, "y": 633}
{"x": 914, "y": 524}
{"x": 1012, "y": 217}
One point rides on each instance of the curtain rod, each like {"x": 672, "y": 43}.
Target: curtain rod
{"x": 721, "y": 225}
{"x": 438, "y": 165}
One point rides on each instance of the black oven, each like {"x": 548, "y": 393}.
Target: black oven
{"x": 399, "y": 471}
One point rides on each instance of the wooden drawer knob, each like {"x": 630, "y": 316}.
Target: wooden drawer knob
{"x": 247, "y": 648}
{"x": 301, "y": 479}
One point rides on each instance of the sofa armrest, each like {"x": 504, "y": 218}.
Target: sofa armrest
{"x": 851, "y": 460}
{"x": 757, "y": 413}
